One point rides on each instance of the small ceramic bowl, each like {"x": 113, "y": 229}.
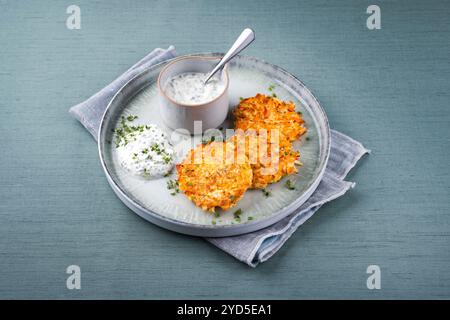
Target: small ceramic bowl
{"x": 177, "y": 115}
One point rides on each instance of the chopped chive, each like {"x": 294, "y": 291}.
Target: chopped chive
{"x": 266, "y": 193}
{"x": 167, "y": 158}
{"x": 173, "y": 185}
{"x": 237, "y": 214}
{"x": 290, "y": 184}
{"x": 131, "y": 118}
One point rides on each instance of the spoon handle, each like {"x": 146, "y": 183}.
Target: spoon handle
{"x": 247, "y": 36}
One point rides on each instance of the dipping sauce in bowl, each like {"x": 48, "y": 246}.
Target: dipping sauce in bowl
{"x": 188, "y": 88}
{"x": 188, "y": 103}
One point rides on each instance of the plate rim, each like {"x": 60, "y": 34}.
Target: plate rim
{"x": 201, "y": 229}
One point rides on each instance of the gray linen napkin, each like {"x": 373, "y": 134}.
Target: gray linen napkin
{"x": 258, "y": 246}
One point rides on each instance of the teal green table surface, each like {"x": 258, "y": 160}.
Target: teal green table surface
{"x": 388, "y": 88}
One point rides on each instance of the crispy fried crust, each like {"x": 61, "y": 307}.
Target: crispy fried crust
{"x": 264, "y": 112}
{"x": 213, "y": 180}
{"x": 269, "y": 160}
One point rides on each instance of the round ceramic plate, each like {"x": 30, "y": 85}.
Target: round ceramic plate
{"x": 154, "y": 202}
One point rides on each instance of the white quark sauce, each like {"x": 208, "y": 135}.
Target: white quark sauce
{"x": 188, "y": 88}
{"x": 148, "y": 153}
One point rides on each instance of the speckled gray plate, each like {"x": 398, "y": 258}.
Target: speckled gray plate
{"x": 152, "y": 200}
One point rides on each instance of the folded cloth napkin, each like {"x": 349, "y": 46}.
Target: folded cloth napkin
{"x": 258, "y": 246}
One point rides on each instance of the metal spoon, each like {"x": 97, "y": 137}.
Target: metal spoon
{"x": 247, "y": 36}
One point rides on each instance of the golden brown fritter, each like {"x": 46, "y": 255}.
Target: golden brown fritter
{"x": 270, "y": 158}
{"x": 264, "y": 112}
{"x": 218, "y": 174}
{"x": 210, "y": 177}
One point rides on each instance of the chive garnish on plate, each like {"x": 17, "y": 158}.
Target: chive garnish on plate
{"x": 237, "y": 215}
{"x": 290, "y": 184}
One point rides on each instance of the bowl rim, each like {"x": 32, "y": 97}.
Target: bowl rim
{"x": 191, "y": 105}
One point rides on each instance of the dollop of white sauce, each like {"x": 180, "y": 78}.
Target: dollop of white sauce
{"x": 148, "y": 153}
{"x": 188, "y": 88}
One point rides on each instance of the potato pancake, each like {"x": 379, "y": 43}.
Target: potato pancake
{"x": 269, "y": 161}
{"x": 264, "y": 112}
{"x": 210, "y": 177}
